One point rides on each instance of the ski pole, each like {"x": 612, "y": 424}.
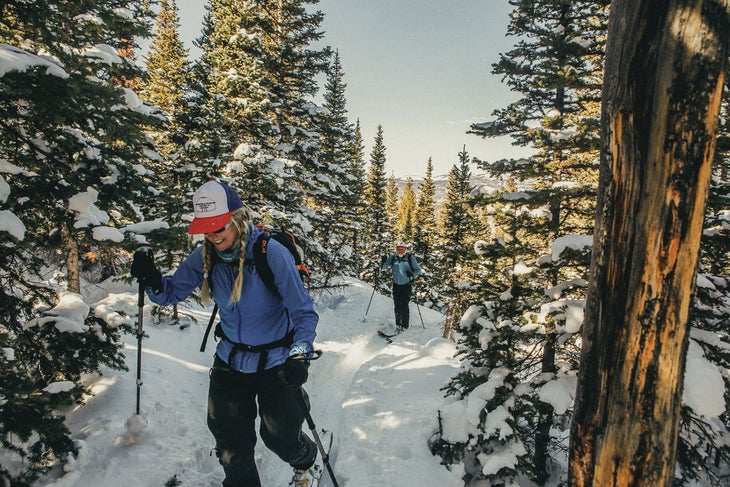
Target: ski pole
{"x": 419, "y": 311}
{"x": 420, "y": 315}
{"x": 140, "y": 334}
{"x": 375, "y": 285}
{"x": 317, "y": 440}
{"x": 368, "y": 308}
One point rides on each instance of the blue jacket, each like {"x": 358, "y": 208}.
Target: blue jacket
{"x": 401, "y": 266}
{"x": 260, "y": 316}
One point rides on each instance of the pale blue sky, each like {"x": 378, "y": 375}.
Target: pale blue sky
{"x": 419, "y": 68}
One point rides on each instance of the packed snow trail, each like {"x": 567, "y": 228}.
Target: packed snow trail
{"x": 379, "y": 398}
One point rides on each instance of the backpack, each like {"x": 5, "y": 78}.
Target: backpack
{"x": 260, "y": 260}
{"x": 410, "y": 260}
{"x": 292, "y": 244}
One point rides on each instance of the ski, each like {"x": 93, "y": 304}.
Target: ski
{"x": 388, "y": 336}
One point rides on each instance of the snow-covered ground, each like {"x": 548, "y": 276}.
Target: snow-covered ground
{"x": 380, "y": 399}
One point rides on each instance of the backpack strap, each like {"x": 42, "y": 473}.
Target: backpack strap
{"x": 214, "y": 260}
{"x": 410, "y": 260}
{"x": 207, "y": 330}
{"x": 261, "y": 261}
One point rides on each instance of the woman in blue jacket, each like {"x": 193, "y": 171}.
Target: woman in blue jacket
{"x": 267, "y": 338}
{"x": 405, "y": 269}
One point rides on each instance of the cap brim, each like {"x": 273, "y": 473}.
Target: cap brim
{"x": 208, "y": 225}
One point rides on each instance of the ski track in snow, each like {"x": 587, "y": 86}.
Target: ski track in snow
{"x": 379, "y": 398}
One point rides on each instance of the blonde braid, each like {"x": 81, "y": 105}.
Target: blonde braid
{"x": 240, "y": 219}
{"x": 205, "y": 288}
{"x": 238, "y": 285}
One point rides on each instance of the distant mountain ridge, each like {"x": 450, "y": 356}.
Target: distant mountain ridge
{"x": 441, "y": 181}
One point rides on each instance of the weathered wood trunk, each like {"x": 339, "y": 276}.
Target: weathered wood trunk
{"x": 73, "y": 277}
{"x": 664, "y": 74}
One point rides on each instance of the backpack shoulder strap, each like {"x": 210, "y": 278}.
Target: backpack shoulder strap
{"x": 207, "y": 330}
{"x": 410, "y": 260}
{"x": 260, "y": 260}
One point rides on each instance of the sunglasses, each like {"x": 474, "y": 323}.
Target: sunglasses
{"x": 228, "y": 225}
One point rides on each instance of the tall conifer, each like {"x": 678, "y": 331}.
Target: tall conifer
{"x": 254, "y": 85}
{"x": 530, "y": 281}
{"x": 377, "y": 236}
{"x": 70, "y": 138}
{"x": 356, "y": 182}
{"x": 405, "y": 223}
{"x": 456, "y": 235}
{"x": 165, "y": 85}
{"x": 335, "y": 202}
{"x": 391, "y": 205}
{"x": 425, "y": 218}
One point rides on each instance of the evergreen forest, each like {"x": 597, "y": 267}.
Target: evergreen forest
{"x": 101, "y": 149}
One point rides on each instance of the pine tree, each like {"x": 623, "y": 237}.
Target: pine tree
{"x": 336, "y": 204}
{"x": 456, "y": 236}
{"x": 529, "y": 281}
{"x": 406, "y": 214}
{"x": 391, "y": 206}
{"x": 253, "y": 87}
{"x": 69, "y": 138}
{"x": 377, "y": 236}
{"x": 424, "y": 236}
{"x": 166, "y": 64}
{"x": 165, "y": 84}
{"x": 356, "y": 183}
{"x": 425, "y": 218}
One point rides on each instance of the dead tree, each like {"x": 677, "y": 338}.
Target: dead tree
{"x": 665, "y": 66}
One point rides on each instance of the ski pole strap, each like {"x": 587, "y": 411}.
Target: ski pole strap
{"x": 314, "y": 355}
{"x": 263, "y": 349}
{"x": 207, "y": 330}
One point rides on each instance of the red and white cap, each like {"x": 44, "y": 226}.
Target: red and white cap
{"x": 213, "y": 204}
{"x": 400, "y": 245}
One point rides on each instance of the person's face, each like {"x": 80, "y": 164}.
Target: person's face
{"x": 401, "y": 251}
{"x": 223, "y": 239}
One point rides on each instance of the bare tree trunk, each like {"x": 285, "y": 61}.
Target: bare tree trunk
{"x": 449, "y": 323}
{"x": 665, "y": 67}
{"x": 546, "y": 414}
{"x": 72, "y": 259}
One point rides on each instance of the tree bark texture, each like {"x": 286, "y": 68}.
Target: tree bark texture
{"x": 73, "y": 278}
{"x": 665, "y": 66}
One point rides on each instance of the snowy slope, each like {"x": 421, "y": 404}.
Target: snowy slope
{"x": 380, "y": 399}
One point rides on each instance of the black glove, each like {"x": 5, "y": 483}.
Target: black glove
{"x": 295, "y": 370}
{"x": 143, "y": 268}
{"x": 409, "y": 274}
{"x": 383, "y": 258}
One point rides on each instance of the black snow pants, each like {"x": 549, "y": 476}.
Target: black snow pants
{"x": 401, "y": 298}
{"x": 232, "y": 410}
